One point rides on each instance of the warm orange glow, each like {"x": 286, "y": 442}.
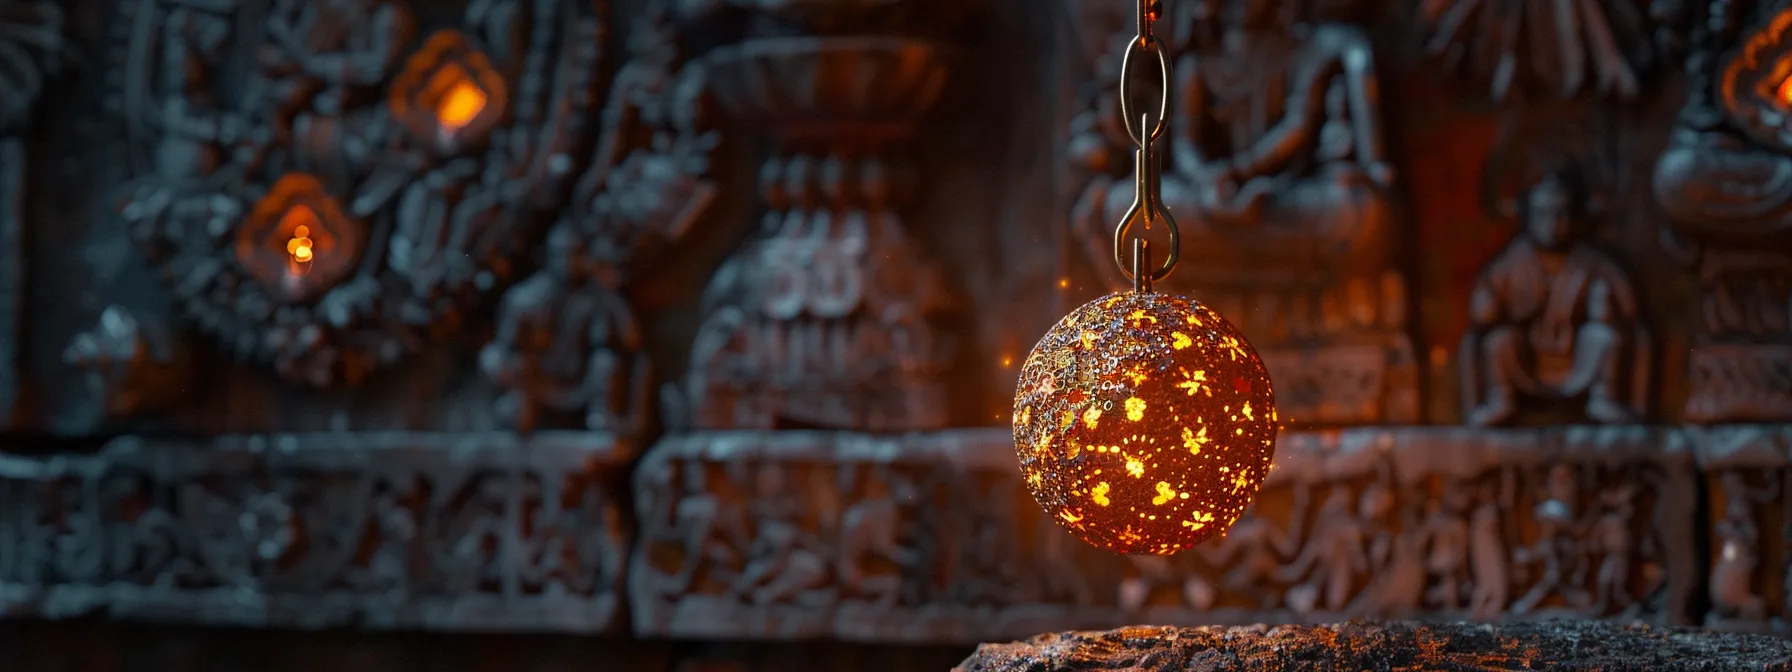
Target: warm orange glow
{"x": 1155, "y": 423}
{"x": 300, "y": 245}
{"x": 461, "y": 100}
{"x": 300, "y": 220}
{"x": 1785, "y": 92}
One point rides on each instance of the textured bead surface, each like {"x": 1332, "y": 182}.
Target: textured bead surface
{"x": 1144, "y": 423}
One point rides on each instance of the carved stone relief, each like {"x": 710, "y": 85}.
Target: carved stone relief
{"x": 326, "y": 186}
{"x": 129, "y": 365}
{"x": 829, "y": 316}
{"x": 1278, "y": 178}
{"x": 412, "y": 531}
{"x": 1553, "y": 318}
{"x": 567, "y": 342}
{"x": 32, "y": 48}
{"x": 1747, "y": 476}
{"x": 1724, "y": 180}
{"x": 1603, "y": 48}
{"x": 931, "y": 538}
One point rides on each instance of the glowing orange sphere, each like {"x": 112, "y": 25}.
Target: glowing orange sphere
{"x": 1144, "y": 423}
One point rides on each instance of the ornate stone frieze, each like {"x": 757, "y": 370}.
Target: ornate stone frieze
{"x": 930, "y": 537}
{"x": 413, "y": 531}
{"x": 1277, "y": 175}
{"x": 326, "y": 186}
{"x": 1725, "y": 179}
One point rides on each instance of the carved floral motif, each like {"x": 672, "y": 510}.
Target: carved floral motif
{"x": 414, "y": 210}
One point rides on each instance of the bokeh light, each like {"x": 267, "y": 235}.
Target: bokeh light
{"x": 1144, "y": 423}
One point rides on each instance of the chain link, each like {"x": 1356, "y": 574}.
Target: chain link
{"x": 1146, "y": 204}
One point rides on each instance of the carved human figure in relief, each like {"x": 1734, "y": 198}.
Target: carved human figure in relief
{"x": 1336, "y": 555}
{"x": 871, "y": 536}
{"x": 1396, "y": 556}
{"x": 1554, "y": 318}
{"x": 1556, "y": 546}
{"x": 1733, "y": 593}
{"x": 1263, "y": 545}
{"x": 784, "y": 561}
{"x": 567, "y": 345}
{"x": 1487, "y": 560}
{"x": 1276, "y": 153}
{"x": 1446, "y": 556}
{"x": 1612, "y": 540}
{"x": 712, "y": 529}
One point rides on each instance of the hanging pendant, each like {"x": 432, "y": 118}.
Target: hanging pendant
{"x": 1145, "y": 423}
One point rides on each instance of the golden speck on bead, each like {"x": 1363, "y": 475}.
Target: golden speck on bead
{"x": 1165, "y": 493}
{"x": 1135, "y": 409}
{"x": 1189, "y": 425}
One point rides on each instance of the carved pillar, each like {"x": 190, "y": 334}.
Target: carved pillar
{"x": 1275, "y": 170}
{"x": 1747, "y": 472}
{"x": 31, "y": 46}
{"x": 1723, "y": 179}
{"x": 828, "y": 317}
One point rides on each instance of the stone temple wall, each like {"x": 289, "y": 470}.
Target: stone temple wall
{"x": 699, "y": 321}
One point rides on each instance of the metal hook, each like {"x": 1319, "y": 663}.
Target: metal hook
{"x": 1146, "y": 205}
{"x": 1141, "y": 258}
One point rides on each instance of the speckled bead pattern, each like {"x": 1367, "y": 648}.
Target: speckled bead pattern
{"x": 1144, "y": 423}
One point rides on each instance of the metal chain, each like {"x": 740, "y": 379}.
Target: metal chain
{"x": 1146, "y": 204}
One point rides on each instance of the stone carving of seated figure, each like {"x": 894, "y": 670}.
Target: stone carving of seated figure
{"x": 1553, "y": 318}
{"x": 1275, "y": 152}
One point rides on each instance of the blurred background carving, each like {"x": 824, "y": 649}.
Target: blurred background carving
{"x": 681, "y": 334}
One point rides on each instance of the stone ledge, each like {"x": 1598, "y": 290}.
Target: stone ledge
{"x": 382, "y": 530}
{"x": 1368, "y": 645}
{"x": 930, "y": 537}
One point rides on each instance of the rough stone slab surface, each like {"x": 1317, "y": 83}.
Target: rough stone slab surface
{"x": 1364, "y": 645}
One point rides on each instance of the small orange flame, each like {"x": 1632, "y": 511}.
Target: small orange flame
{"x": 1785, "y": 91}
{"x": 300, "y": 220}
{"x": 461, "y": 101}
